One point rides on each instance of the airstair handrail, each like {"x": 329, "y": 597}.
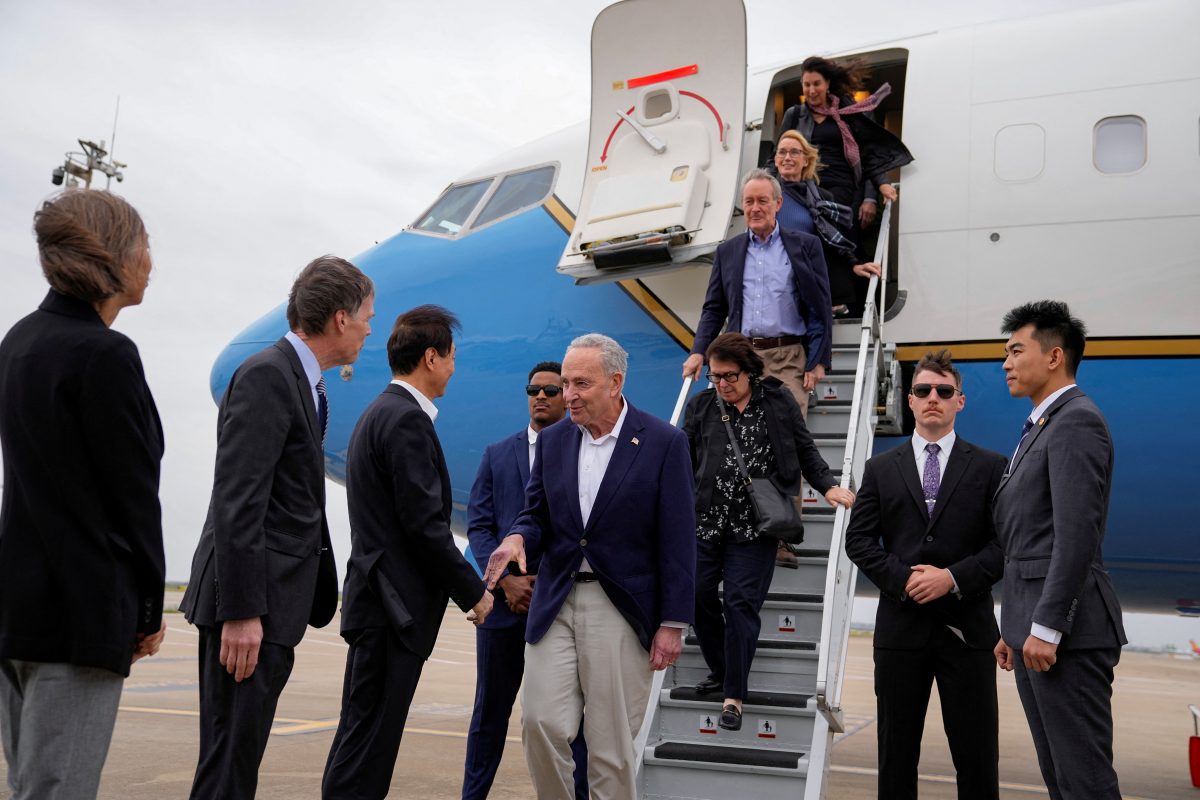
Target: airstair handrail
{"x": 656, "y": 685}
{"x": 841, "y": 573}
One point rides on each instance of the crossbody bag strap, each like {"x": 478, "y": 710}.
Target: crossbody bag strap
{"x": 737, "y": 451}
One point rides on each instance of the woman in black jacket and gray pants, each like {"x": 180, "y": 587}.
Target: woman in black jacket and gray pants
{"x": 774, "y": 443}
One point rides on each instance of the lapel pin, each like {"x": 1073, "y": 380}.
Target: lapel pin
{"x": 1041, "y": 422}
{"x": 635, "y": 440}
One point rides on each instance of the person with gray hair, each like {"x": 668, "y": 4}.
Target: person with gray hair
{"x": 81, "y": 561}
{"x": 770, "y": 284}
{"x": 264, "y": 568}
{"x": 609, "y": 509}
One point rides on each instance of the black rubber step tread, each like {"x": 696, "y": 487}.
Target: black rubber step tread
{"x": 839, "y": 373}
{"x": 795, "y": 597}
{"x": 838, "y": 403}
{"x": 828, "y": 437}
{"x": 802, "y": 553}
{"x": 764, "y": 644}
{"x": 772, "y": 699}
{"x": 819, "y": 511}
{"x": 744, "y": 756}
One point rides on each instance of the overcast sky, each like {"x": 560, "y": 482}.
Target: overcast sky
{"x": 259, "y": 135}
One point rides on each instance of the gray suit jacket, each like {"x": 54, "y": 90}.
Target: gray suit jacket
{"x": 1050, "y": 512}
{"x": 265, "y": 549}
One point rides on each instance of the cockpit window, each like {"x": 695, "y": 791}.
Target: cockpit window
{"x": 516, "y": 192}
{"x": 453, "y": 209}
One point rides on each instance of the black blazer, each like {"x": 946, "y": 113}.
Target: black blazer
{"x": 890, "y": 531}
{"x": 404, "y": 564}
{"x": 265, "y": 549}
{"x": 795, "y": 453}
{"x": 723, "y": 298}
{"x": 81, "y": 550}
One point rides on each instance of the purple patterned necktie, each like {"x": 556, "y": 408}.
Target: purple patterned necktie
{"x": 931, "y": 478}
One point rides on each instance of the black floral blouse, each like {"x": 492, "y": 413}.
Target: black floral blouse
{"x": 730, "y": 515}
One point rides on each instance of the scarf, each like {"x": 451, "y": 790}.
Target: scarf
{"x": 829, "y": 218}
{"x": 849, "y": 145}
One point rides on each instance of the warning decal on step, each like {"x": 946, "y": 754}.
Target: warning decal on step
{"x": 787, "y": 623}
{"x": 708, "y": 724}
{"x": 831, "y": 392}
{"x": 766, "y": 729}
{"x": 809, "y": 496}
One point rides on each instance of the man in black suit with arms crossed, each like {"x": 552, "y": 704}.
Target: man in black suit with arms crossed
{"x": 922, "y": 531}
{"x": 263, "y": 569}
{"x": 404, "y": 565}
{"x": 1061, "y": 621}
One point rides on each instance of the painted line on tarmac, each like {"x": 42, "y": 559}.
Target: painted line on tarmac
{"x": 950, "y": 779}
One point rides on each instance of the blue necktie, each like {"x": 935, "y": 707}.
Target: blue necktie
{"x": 322, "y": 407}
{"x": 1025, "y": 429}
{"x": 931, "y": 477}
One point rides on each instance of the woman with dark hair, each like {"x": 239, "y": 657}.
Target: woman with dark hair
{"x": 809, "y": 207}
{"x": 81, "y": 567}
{"x": 774, "y": 443}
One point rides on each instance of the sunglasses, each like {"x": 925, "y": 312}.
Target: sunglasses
{"x": 550, "y": 389}
{"x": 944, "y": 390}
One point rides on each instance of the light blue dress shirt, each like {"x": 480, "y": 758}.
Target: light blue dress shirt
{"x": 769, "y": 303}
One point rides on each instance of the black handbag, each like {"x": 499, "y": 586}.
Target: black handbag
{"x": 775, "y": 513}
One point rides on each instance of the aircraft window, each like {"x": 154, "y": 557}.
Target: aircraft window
{"x": 515, "y": 193}
{"x": 1119, "y": 144}
{"x": 1020, "y": 152}
{"x": 453, "y": 208}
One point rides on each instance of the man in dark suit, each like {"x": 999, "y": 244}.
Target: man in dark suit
{"x": 404, "y": 565}
{"x": 1061, "y": 622}
{"x": 497, "y": 497}
{"x": 609, "y": 509}
{"x": 263, "y": 569}
{"x": 772, "y": 285}
{"x": 922, "y": 532}
{"x": 81, "y": 548}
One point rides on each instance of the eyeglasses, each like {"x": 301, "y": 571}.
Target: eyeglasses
{"x": 550, "y": 389}
{"x": 944, "y": 390}
{"x": 789, "y": 153}
{"x": 729, "y": 377}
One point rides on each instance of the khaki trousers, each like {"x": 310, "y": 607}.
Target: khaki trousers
{"x": 787, "y": 364}
{"x": 589, "y": 659}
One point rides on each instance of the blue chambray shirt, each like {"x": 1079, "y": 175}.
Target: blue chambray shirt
{"x": 769, "y": 303}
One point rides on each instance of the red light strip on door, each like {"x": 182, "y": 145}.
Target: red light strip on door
{"x": 659, "y": 77}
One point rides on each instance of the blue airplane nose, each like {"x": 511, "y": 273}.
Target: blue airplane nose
{"x": 266, "y": 330}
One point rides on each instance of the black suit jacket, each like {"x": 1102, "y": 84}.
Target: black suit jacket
{"x": 723, "y": 298}
{"x": 890, "y": 531}
{"x": 404, "y": 564}
{"x": 265, "y": 549}
{"x": 81, "y": 551}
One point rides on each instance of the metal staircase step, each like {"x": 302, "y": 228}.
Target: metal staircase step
{"x": 832, "y": 447}
{"x": 771, "y": 700}
{"x": 772, "y": 720}
{"x": 700, "y": 771}
{"x": 845, "y": 357}
{"x": 808, "y": 575}
{"x": 722, "y": 754}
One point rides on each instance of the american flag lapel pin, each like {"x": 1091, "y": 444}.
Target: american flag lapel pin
{"x": 635, "y": 440}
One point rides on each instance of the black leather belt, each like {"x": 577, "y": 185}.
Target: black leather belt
{"x": 585, "y": 577}
{"x": 771, "y": 342}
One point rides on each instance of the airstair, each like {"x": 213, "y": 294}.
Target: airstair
{"x": 794, "y": 705}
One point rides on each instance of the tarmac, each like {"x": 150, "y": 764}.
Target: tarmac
{"x": 153, "y": 753}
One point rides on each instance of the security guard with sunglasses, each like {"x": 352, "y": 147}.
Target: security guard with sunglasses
{"x": 922, "y": 531}
{"x": 497, "y": 497}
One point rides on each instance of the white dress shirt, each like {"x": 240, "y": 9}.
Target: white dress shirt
{"x": 594, "y": 455}
{"x": 424, "y": 402}
{"x": 312, "y": 368}
{"x": 1041, "y": 631}
{"x": 946, "y": 443}
{"x": 532, "y": 434}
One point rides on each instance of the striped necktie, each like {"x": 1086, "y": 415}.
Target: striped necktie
{"x": 322, "y": 408}
{"x": 1025, "y": 429}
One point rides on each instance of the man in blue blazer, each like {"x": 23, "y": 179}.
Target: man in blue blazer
{"x": 497, "y": 497}
{"x": 609, "y": 509}
{"x": 1060, "y": 619}
{"x": 772, "y": 285}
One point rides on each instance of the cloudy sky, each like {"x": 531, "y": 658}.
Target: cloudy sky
{"x": 259, "y": 135}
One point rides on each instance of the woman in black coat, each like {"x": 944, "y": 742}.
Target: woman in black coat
{"x": 774, "y": 443}
{"x": 81, "y": 550}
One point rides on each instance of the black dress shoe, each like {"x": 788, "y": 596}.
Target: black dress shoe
{"x": 708, "y": 686}
{"x": 731, "y": 718}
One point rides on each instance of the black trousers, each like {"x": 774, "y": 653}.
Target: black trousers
{"x": 381, "y": 678}
{"x": 728, "y": 628}
{"x": 499, "y": 667}
{"x": 966, "y": 681}
{"x": 235, "y": 718}
{"x": 1069, "y": 709}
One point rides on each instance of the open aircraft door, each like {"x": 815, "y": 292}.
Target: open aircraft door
{"x": 665, "y": 143}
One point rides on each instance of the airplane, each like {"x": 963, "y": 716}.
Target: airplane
{"x": 1056, "y": 157}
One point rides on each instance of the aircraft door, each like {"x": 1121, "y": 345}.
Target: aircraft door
{"x": 665, "y": 142}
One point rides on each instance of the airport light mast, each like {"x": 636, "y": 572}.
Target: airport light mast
{"x": 81, "y": 165}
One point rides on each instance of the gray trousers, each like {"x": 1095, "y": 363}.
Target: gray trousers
{"x": 56, "y": 721}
